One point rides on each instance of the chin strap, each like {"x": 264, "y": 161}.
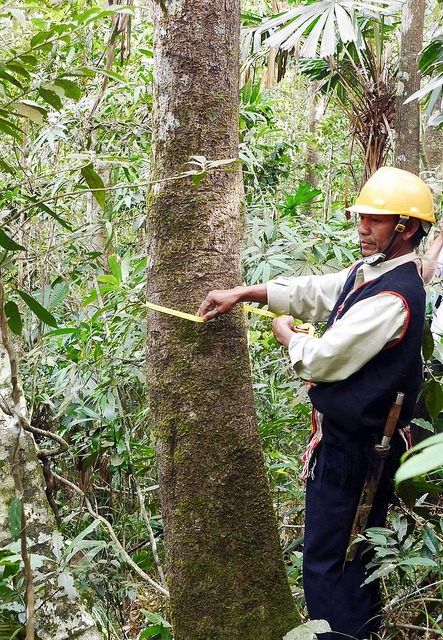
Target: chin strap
{"x": 377, "y": 258}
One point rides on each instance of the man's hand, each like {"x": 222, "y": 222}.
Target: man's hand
{"x": 283, "y": 328}
{"x": 221, "y": 301}
{"x": 218, "y": 302}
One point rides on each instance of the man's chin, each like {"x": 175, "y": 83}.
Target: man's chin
{"x": 366, "y": 251}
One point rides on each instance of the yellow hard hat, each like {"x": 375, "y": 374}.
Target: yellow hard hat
{"x": 393, "y": 191}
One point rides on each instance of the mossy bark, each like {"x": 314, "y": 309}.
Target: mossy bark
{"x": 407, "y": 116}
{"x": 225, "y": 570}
{"x": 57, "y": 617}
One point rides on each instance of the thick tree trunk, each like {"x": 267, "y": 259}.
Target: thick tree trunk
{"x": 225, "y": 570}
{"x": 57, "y": 616}
{"x": 407, "y": 116}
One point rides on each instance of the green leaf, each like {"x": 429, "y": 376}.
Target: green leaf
{"x": 15, "y": 518}
{"x": 55, "y": 89}
{"x": 8, "y": 243}
{"x": 29, "y": 111}
{"x": 418, "y": 562}
{"x": 82, "y": 535}
{"x": 18, "y": 68}
{"x": 50, "y": 212}
{"x": 431, "y": 55}
{"x": 64, "y": 331}
{"x": 51, "y": 98}
{"x": 29, "y": 60}
{"x": 94, "y": 182}
{"x": 424, "y": 462}
{"x": 116, "y": 268}
{"x": 430, "y": 540}
{"x": 89, "y": 14}
{"x": 156, "y": 618}
{"x": 111, "y": 74}
{"x": 435, "y": 83}
{"x": 14, "y": 318}
{"x": 423, "y": 424}
{"x": 90, "y": 298}
{"x": 109, "y": 279}
{"x": 10, "y": 129}
{"x": 197, "y": 178}
{"x": 70, "y": 88}
{"x": 150, "y": 632}
{"x": 429, "y": 442}
{"x": 7, "y": 168}
{"x": 427, "y": 342}
{"x": 7, "y": 76}
{"x": 433, "y": 395}
{"x": 82, "y": 72}
{"x": 57, "y": 293}
{"x": 43, "y": 314}
{"x": 307, "y": 630}
{"x": 42, "y": 37}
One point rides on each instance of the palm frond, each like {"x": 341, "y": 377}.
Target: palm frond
{"x": 319, "y": 26}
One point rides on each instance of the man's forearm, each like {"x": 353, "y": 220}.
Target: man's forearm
{"x": 253, "y": 293}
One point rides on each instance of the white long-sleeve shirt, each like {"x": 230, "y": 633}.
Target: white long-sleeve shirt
{"x": 356, "y": 337}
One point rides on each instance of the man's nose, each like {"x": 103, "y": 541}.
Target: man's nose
{"x": 363, "y": 228}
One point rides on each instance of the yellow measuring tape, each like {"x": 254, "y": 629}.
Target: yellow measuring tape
{"x": 174, "y": 312}
{"x": 302, "y": 328}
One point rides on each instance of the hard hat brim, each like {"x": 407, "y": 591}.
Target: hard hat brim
{"x": 363, "y": 208}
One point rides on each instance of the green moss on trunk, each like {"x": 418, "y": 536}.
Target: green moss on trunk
{"x": 226, "y": 574}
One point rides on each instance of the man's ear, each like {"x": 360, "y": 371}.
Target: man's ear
{"x": 411, "y": 227}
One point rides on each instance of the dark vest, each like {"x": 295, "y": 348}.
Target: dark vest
{"x": 355, "y": 409}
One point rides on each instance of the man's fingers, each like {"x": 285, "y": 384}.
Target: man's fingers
{"x": 204, "y": 307}
{"x": 215, "y": 304}
{"x": 210, "y": 315}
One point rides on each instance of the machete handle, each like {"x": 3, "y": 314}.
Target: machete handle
{"x": 393, "y": 415}
{"x": 371, "y": 483}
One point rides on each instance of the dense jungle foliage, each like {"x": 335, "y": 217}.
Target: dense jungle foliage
{"x": 75, "y": 124}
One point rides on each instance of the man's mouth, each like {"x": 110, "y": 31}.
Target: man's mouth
{"x": 366, "y": 248}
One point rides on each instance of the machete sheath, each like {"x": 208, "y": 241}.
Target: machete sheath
{"x": 381, "y": 452}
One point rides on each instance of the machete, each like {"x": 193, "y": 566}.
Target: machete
{"x": 381, "y": 452}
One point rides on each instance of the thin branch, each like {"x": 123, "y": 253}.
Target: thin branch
{"x": 113, "y": 535}
{"x": 140, "y": 495}
{"x": 412, "y": 627}
{"x": 72, "y": 194}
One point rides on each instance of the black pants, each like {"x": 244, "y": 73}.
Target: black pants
{"x": 333, "y": 588}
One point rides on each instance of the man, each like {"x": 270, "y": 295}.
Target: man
{"x": 371, "y": 350}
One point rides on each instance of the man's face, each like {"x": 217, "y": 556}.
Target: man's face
{"x": 375, "y": 232}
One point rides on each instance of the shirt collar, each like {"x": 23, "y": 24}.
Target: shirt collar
{"x": 367, "y": 272}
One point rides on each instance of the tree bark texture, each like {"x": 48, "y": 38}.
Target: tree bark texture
{"x": 57, "y": 617}
{"x": 225, "y": 570}
{"x": 315, "y": 108}
{"x": 407, "y": 116}
{"x": 433, "y": 150}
